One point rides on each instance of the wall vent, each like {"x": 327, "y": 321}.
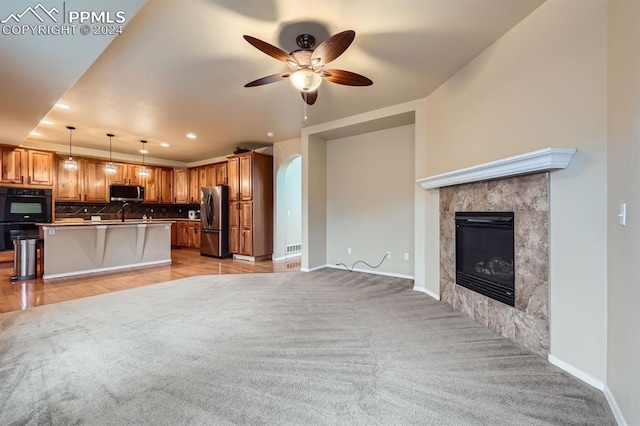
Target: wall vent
{"x": 292, "y": 248}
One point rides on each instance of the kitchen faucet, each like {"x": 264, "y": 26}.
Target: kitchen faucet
{"x": 123, "y": 206}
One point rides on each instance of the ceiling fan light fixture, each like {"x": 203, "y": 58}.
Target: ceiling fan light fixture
{"x": 305, "y": 80}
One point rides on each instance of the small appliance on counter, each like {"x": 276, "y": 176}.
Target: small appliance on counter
{"x": 192, "y": 214}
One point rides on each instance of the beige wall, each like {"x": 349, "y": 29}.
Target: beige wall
{"x": 544, "y": 84}
{"x": 623, "y": 154}
{"x": 314, "y": 208}
{"x": 370, "y": 200}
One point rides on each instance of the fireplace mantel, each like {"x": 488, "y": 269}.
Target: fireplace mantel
{"x": 535, "y": 161}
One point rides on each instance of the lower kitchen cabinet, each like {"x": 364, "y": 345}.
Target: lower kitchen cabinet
{"x": 188, "y": 234}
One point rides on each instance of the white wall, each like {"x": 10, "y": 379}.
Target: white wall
{"x": 623, "y": 154}
{"x": 544, "y": 84}
{"x": 293, "y": 202}
{"x": 283, "y": 153}
{"x": 370, "y": 200}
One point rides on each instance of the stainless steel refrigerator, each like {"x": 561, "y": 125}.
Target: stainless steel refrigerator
{"x": 214, "y": 214}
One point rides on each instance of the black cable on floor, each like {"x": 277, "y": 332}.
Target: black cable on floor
{"x": 362, "y": 261}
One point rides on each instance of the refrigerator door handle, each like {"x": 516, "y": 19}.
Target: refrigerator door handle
{"x": 209, "y": 210}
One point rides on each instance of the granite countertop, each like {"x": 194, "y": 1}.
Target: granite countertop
{"x": 109, "y": 222}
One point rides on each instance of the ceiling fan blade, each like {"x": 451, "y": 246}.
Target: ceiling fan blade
{"x": 269, "y": 49}
{"x": 347, "y": 78}
{"x": 268, "y": 79}
{"x": 333, "y": 47}
{"x": 310, "y": 97}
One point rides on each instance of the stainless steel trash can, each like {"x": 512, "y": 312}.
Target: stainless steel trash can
{"x": 24, "y": 259}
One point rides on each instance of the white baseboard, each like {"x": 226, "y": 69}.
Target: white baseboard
{"x": 428, "y": 292}
{"x": 313, "y": 269}
{"x": 617, "y": 413}
{"x": 289, "y": 256}
{"x": 615, "y": 409}
{"x": 107, "y": 269}
{"x": 577, "y": 373}
{"x": 368, "y": 271}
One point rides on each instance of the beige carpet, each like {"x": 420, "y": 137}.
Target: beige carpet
{"x": 328, "y": 347}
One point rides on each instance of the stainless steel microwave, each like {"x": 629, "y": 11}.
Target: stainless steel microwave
{"x": 126, "y": 193}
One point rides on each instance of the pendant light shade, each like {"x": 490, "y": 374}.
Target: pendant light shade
{"x": 143, "y": 171}
{"x": 110, "y": 168}
{"x": 70, "y": 164}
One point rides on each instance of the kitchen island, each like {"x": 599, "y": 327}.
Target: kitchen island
{"x": 75, "y": 248}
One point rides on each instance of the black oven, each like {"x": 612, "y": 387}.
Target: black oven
{"x": 20, "y": 210}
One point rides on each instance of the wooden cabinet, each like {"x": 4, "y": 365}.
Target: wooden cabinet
{"x": 194, "y": 235}
{"x": 86, "y": 183}
{"x": 210, "y": 172}
{"x": 188, "y": 234}
{"x": 26, "y": 166}
{"x": 151, "y": 184}
{"x": 250, "y": 179}
{"x": 165, "y": 186}
{"x": 194, "y": 186}
{"x": 221, "y": 173}
{"x": 94, "y": 181}
{"x": 180, "y": 186}
{"x": 174, "y": 234}
{"x": 183, "y": 233}
{"x": 41, "y": 166}
{"x": 68, "y": 182}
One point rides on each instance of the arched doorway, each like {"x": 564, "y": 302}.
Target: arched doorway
{"x": 288, "y": 223}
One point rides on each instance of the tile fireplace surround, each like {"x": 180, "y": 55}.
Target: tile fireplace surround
{"x": 528, "y": 197}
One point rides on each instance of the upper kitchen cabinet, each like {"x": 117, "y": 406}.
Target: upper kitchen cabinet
{"x": 241, "y": 170}
{"x": 96, "y": 189}
{"x": 181, "y": 186}
{"x": 194, "y": 186}
{"x": 221, "y": 173}
{"x": 26, "y": 166}
{"x": 150, "y": 182}
{"x": 126, "y": 174}
{"x": 165, "y": 186}
{"x": 86, "y": 183}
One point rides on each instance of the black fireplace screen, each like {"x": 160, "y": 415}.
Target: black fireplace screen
{"x": 484, "y": 254}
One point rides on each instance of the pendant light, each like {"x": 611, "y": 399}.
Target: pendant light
{"x": 70, "y": 164}
{"x": 110, "y": 168}
{"x": 143, "y": 171}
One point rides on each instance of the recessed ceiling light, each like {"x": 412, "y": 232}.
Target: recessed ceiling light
{"x": 144, "y": 151}
{"x": 191, "y": 135}
{"x": 63, "y": 106}
{"x": 34, "y": 133}
{"x": 46, "y": 122}
{"x": 270, "y": 134}
{"x": 164, "y": 145}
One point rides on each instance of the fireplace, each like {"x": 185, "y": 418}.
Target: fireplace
{"x": 485, "y": 254}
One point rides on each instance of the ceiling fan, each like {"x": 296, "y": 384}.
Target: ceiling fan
{"x": 307, "y": 64}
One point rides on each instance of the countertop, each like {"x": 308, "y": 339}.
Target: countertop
{"x": 109, "y": 222}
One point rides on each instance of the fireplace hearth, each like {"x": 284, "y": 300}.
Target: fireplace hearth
{"x": 485, "y": 254}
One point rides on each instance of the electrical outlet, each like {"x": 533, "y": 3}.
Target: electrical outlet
{"x": 388, "y": 255}
{"x": 406, "y": 256}
{"x": 86, "y": 210}
{"x": 151, "y": 210}
{"x": 348, "y": 250}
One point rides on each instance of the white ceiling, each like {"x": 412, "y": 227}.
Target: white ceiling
{"x": 180, "y": 66}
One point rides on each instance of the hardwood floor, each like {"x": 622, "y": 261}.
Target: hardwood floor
{"x": 18, "y": 295}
